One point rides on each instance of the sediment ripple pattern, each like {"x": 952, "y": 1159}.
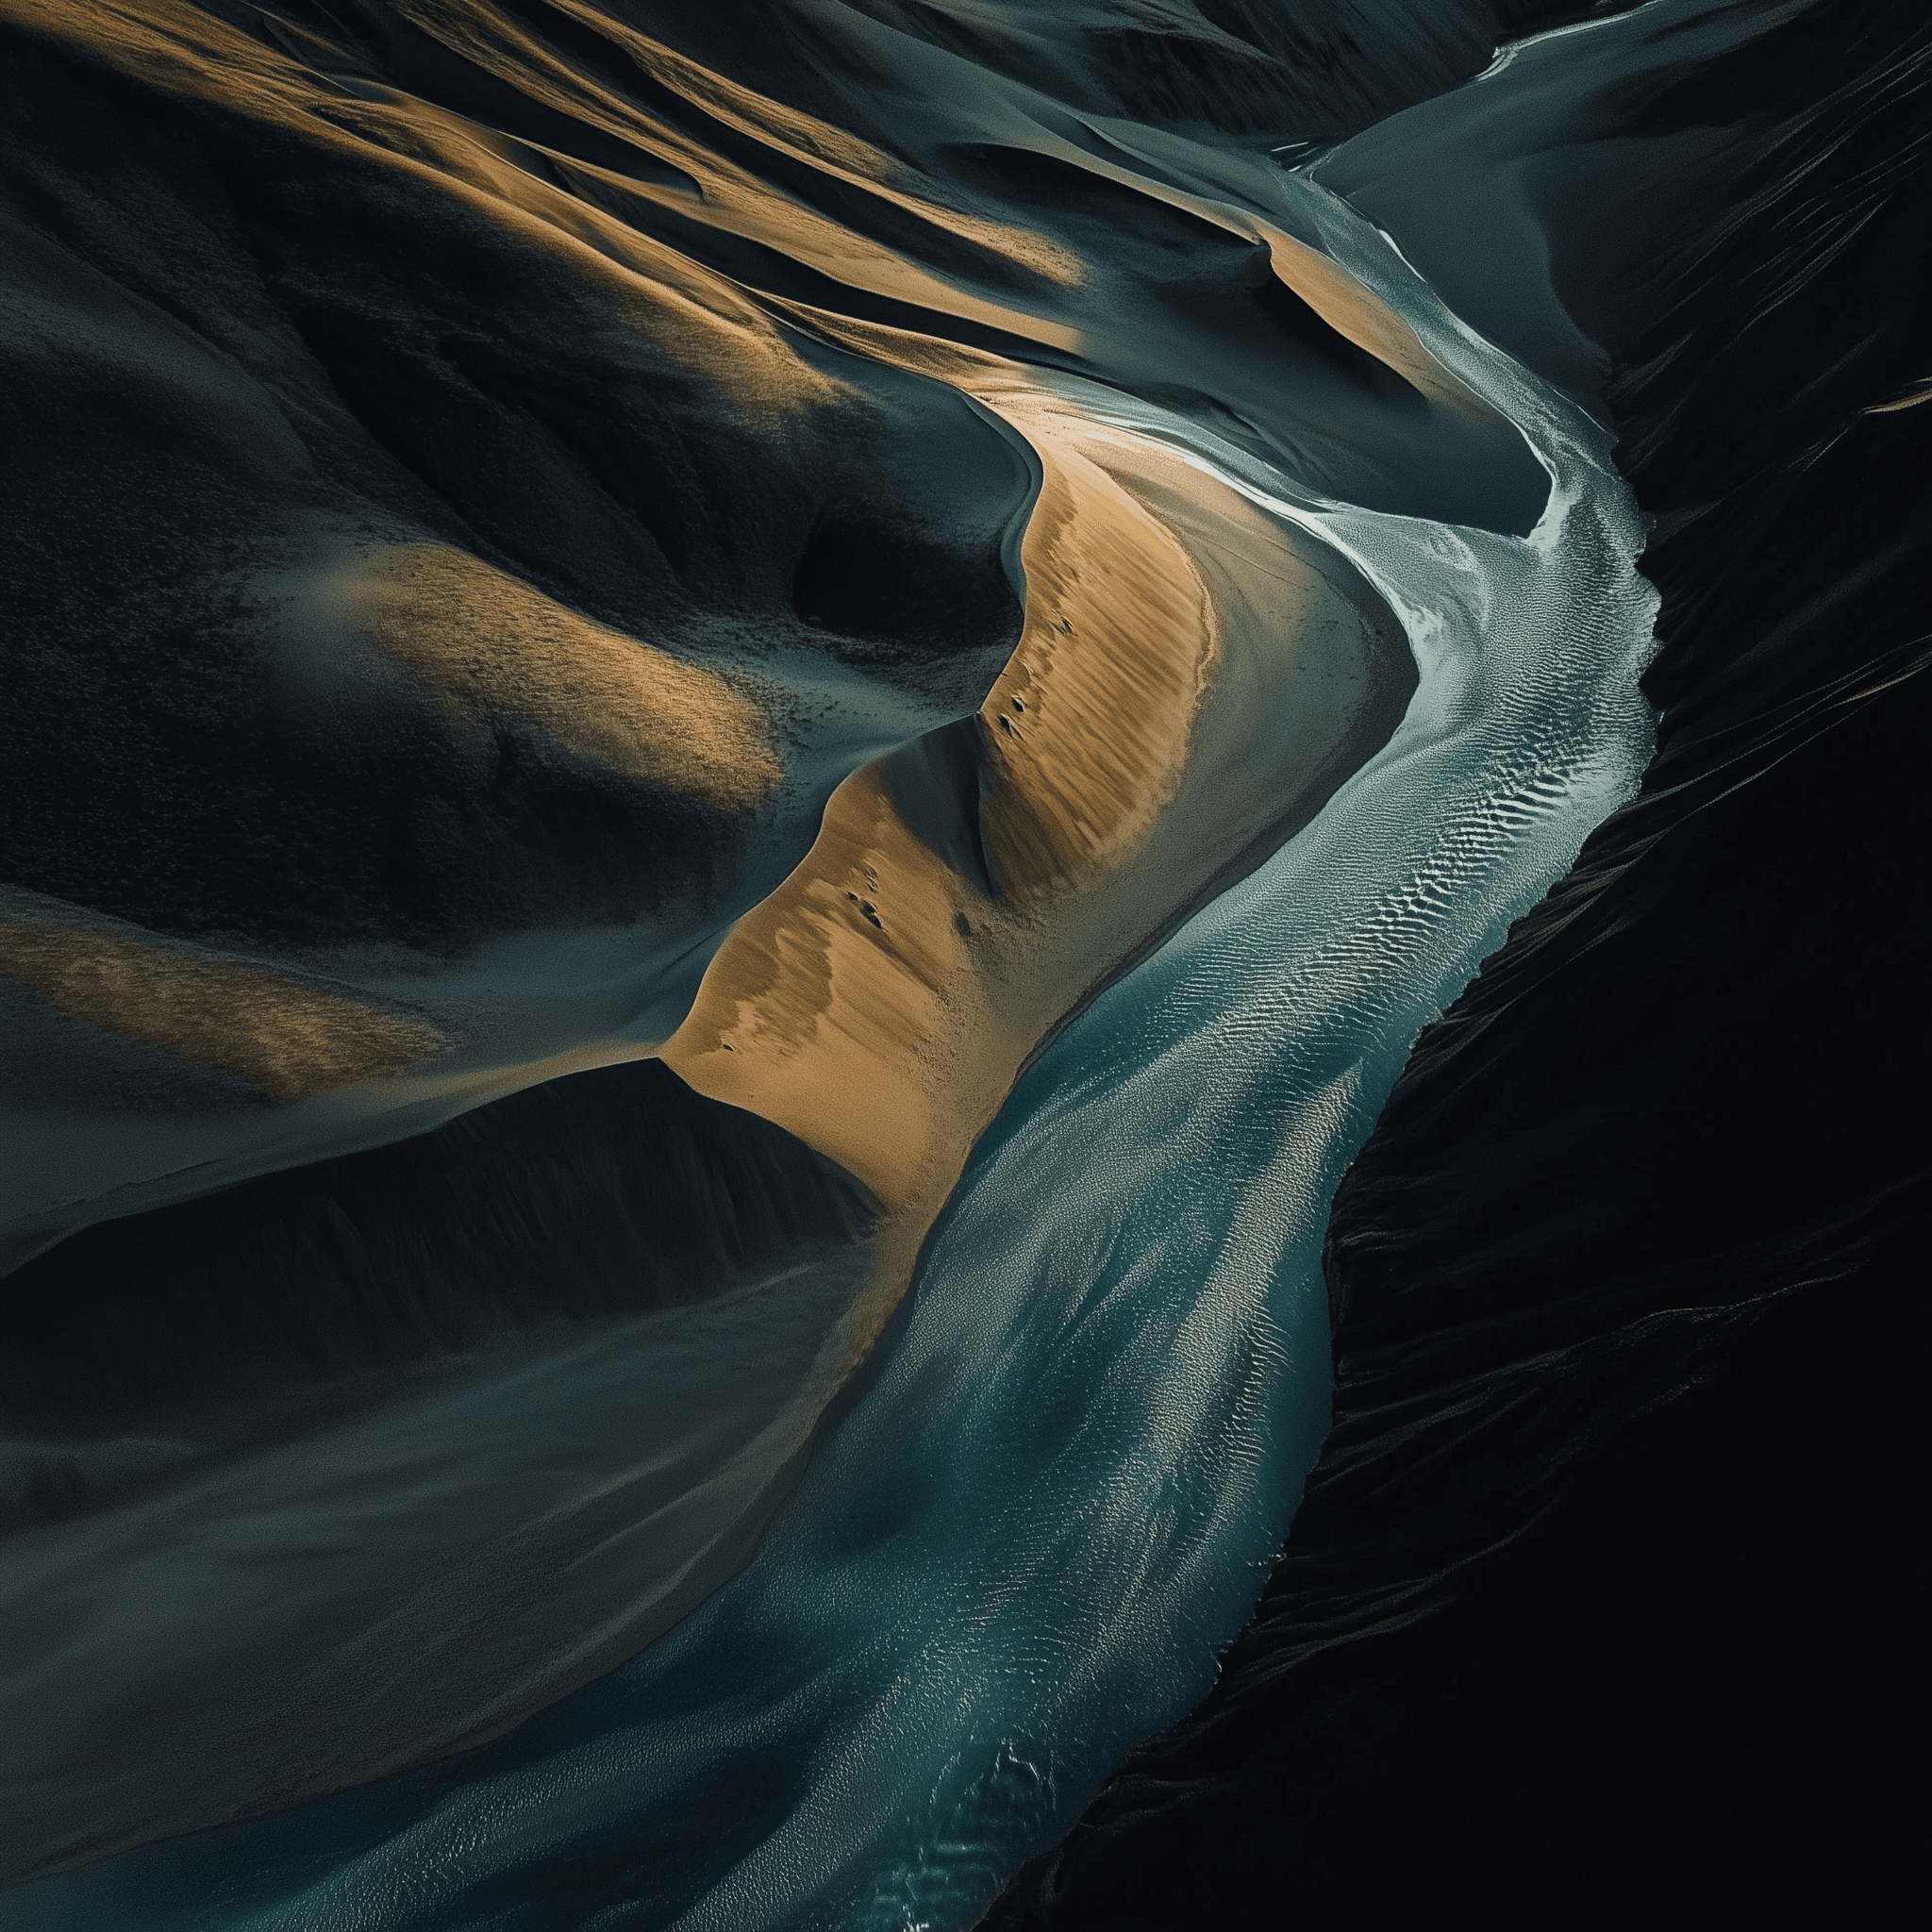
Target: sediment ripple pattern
{"x": 1049, "y": 1495}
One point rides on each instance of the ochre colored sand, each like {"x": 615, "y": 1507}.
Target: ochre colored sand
{"x": 291, "y": 1041}
{"x": 701, "y": 318}
{"x": 479, "y": 637}
{"x": 698, "y": 318}
{"x": 484, "y": 34}
{"x": 1369, "y": 322}
{"x": 877, "y": 1004}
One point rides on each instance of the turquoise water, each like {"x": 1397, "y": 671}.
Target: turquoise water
{"x": 1051, "y": 1496}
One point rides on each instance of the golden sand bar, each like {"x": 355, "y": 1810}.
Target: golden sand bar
{"x": 880, "y": 1006}
{"x": 292, "y": 1041}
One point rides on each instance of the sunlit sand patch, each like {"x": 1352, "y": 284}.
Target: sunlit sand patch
{"x": 745, "y": 207}
{"x": 292, "y": 1041}
{"x": 485, "y": 34}
{"x": 1088, "y": 727}
{"x": 828, "y": 1009}
{"x": 479, "y": 637}
{"x": 728, "y": 198}
{"x": 1352, "y": 310}
{"x": 702, "y": 319}
{"x": 880, "y": 1006}
{"x": 698, "y": 318}
{"x": 843, "y": 156}
{"x": 1368, "y": 322}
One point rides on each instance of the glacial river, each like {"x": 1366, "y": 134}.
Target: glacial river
{"x": 1050, "y": 1496}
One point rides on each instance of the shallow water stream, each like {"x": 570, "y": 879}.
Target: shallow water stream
{"x": 1047, "y": 1501}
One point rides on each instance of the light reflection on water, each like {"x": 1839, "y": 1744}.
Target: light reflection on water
{"x": 1049, "y": 1499}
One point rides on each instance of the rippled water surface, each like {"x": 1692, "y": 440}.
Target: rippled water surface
{"x": 1048, "y": 1499}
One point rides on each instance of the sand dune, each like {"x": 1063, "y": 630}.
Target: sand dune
{"x": 618, "y": 556}
{"x": 882, "y": 1001}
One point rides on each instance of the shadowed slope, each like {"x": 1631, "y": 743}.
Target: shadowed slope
{"x": 360, "y": 1464}
{"x": 555, "y": 468}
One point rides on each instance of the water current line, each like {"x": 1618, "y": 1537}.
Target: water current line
{"x": 1054, "y": 1492}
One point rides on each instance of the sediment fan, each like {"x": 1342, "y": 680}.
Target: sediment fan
{"x": 857, "y": 851}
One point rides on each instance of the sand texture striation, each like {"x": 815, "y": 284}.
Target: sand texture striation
{"x": 481, "y": 640}
{"x": 292, "y": 1041}
{"x": 620, "y": 615}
